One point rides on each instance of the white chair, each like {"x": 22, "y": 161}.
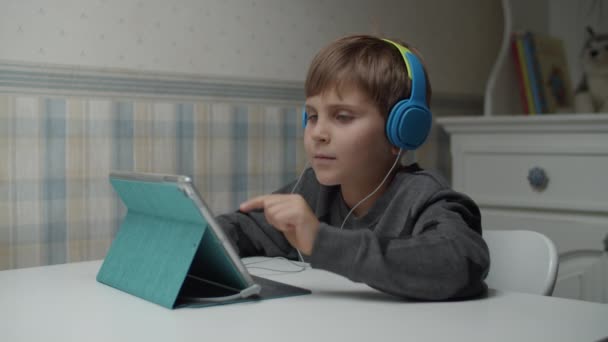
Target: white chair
{"x": 521, "y": 261}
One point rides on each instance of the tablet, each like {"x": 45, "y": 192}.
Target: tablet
{"x": 169, "y": 248}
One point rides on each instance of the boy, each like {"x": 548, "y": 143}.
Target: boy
{"x": 410, "y": 234}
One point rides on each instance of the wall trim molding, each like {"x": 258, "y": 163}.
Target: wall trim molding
{"x": 16, "y": 77}
{"x": 30, "y": 78}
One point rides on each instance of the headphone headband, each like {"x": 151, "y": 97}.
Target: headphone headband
{"x": 415, "y": 72}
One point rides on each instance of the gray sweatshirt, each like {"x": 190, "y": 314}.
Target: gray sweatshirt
{"x": 419, "y": 240}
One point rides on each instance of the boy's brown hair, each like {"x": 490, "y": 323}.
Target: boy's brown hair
{"x": 375, "y": 66}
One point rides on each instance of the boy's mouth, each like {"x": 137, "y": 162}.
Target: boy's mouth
{"x": 323, "y": 157}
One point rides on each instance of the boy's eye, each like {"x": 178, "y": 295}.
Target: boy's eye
{"x": 343, "y": 117}
{"x": 311, "y": 118}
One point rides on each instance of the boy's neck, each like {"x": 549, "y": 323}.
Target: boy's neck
{"x": 355, "y": 193}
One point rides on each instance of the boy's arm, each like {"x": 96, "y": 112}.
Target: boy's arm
{"x": 251, "y": 234}
{"x": 445, "y": 256}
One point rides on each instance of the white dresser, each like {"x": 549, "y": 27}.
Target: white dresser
{"x": 545, "y": 173}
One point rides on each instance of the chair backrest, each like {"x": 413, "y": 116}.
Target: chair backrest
{"x": 522, "y": 261}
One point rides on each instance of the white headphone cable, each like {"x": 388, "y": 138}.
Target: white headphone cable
{"x": 301, "y": 259}
{"x": 373, "y": 192}
{"x": 292, "y": 191}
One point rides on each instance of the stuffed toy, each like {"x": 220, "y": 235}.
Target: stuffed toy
{"x": 592, "y": 93}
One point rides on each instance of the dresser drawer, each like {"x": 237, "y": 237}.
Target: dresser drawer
{"x": 492, "y": 158}
{"x": 575, "y": 178}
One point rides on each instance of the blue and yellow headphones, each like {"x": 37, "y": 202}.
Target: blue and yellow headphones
{"x": 409, "y": 121}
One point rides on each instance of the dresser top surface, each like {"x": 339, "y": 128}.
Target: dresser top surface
{"x": 552, "y": 123}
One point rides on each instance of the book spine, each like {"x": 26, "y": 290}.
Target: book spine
{"x": 532, "y": 74}
{"x": 520, "y": 76}
{"x": 542, "y": 96}
{"x": 524, "y": 68}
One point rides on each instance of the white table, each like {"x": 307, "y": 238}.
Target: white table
{"x": 65, "y": 303}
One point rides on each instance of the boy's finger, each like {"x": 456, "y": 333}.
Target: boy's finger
{"x": 253, "y": 203}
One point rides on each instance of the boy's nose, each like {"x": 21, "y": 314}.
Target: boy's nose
{"x": 319, "y": 132}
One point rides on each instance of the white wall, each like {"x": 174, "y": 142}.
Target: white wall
{"x": 564, "y": 19}
{"x": 568, "y": 19}
{"x": 254, "y": 39}
{"x": 530, "y": 15}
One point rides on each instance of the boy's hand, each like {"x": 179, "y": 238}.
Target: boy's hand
{"x": 291, "y": 215}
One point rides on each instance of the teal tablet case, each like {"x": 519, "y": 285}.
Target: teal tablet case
{"x": 165, "y": 247}
{"x": 156, "y": 243}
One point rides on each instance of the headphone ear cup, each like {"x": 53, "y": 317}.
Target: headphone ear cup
{"x": 408, "y": 124}
{"x": 392, "y": 123}
{"x": 304, "y": 117}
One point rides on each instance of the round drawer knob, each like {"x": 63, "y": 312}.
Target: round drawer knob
{"x": 537, "y": 177}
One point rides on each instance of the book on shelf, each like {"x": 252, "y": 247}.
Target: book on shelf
{"x": 542, "y": 70}
{"x": 522, "y": 74}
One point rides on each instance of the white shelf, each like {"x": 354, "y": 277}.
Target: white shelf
{"x": 595, "y": 122}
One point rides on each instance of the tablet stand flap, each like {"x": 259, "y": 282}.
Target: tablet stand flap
{"x": 156, "y": 243}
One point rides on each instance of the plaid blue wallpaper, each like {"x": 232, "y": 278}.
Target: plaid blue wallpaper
{"x": 56, "y": 204}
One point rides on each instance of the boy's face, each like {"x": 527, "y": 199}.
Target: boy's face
{"x": 345, "y": 138}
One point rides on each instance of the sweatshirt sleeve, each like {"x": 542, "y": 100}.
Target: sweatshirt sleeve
{"x": 252, "y": 235}
{"x": 444, "y": 256}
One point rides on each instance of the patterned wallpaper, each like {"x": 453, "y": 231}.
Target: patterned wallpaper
{"x": 56, "y": 204}
{"x": 246, "y": 39}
